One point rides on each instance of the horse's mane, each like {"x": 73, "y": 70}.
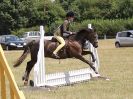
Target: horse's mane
{"x": 82, "y": 33}
{"x": 85, "y": 30}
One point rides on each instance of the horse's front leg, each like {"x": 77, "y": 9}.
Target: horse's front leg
{"x": 80, "y": 57}
{"x": 92, "y": 55}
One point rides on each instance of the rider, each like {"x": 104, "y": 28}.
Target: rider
{"x": 62, "y": 31}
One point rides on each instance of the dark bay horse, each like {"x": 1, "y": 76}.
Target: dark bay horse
{"x": 73, "y": 48}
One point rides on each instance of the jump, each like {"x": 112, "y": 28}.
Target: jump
{"x": 73, "y": 48}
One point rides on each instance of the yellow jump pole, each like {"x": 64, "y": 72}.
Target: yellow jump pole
{"x": 5, "y": 67}
{"x": 3, "y": 84}
{"x": 12, "y": 93}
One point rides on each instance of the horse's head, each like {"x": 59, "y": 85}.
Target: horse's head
{"x": 92, "y": 37}
{"x": 89, "y": 34}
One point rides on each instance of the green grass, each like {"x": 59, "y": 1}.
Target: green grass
{"x": 116, "y": 63}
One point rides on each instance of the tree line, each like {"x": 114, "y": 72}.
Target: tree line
{"x": 107, "y": 16}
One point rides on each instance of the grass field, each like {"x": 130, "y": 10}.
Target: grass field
{"x": 116, "y": 63}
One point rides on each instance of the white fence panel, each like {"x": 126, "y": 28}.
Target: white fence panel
{"x": 65, "y": 78}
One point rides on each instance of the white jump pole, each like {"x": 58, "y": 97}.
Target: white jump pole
{"x": 89, "y": 26}
{"x": 39, "y": 69}
{"x": 95, "y": 53}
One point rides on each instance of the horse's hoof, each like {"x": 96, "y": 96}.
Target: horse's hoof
{"x": 96, "y": 72}
{"x": 25, "y": 83}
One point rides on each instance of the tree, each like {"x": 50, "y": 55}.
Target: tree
{"x": 7, "y": 21}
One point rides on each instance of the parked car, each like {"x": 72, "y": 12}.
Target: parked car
{"x": 11, "y": 42}
{"x": 124, "y": 38}
{"x": 31, "y": 35}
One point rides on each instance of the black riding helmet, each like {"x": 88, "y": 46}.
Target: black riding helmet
{"x": 70, "y": 14}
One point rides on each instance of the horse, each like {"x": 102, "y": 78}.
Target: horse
{"x": 73, "y": 48}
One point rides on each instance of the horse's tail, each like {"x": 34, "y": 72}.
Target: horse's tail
{"x": 24, "y": 55}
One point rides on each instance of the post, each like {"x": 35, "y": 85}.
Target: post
{"x": 94, "y": 51}
{"x": 39, "y": 69}
{"x": 105, "y": 37}
{"x": 89, "y": 26}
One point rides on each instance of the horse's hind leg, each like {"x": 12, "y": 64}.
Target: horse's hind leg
{"x": 29, "y": 66}
{"x": 80, "y": 57}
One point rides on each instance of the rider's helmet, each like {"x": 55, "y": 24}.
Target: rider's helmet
{"x": 70, "y": 14}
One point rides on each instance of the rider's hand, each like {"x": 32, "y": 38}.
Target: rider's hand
{"x": 71, "y": 32}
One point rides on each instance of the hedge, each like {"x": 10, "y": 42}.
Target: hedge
{"x": 108, "y": 27}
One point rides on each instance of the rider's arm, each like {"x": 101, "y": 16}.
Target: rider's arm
{"x": 65, "y": 26}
